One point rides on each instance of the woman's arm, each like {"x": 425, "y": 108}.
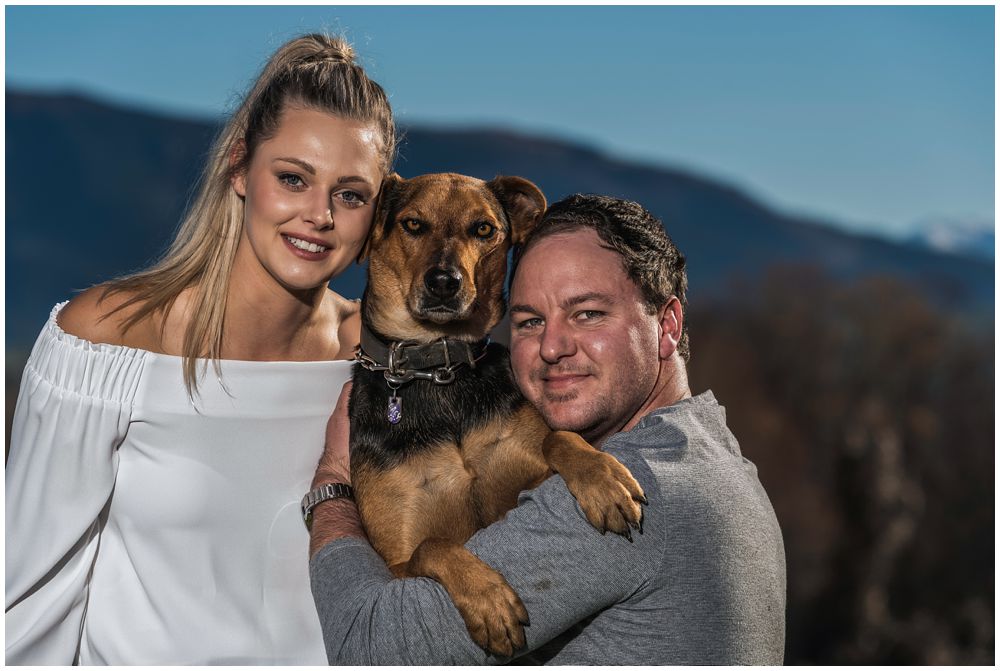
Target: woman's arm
{"x": 72, "y": 412}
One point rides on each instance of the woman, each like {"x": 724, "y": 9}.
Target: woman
{"x": 169, "y": 422}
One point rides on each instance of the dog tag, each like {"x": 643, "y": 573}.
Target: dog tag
{"x": 394, "y": 413}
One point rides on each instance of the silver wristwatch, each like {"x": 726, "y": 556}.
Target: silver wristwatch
{"x": 336, "y": 490}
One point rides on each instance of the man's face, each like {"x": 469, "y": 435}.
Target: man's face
{"x": 584, "y": 348}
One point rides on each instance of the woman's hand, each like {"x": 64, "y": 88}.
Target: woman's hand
{"x": 335, "y": 464}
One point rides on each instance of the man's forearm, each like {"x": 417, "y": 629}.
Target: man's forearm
{"x": 333, "y": 519}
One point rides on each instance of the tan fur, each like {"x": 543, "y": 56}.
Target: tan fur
{"x": 506, "y": 457}
{"x": 451, "y": 490}
{"x": 405, "y": 505}
{"x": 449, "y": 205}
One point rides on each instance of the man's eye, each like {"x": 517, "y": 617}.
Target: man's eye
{"x": 591, "y": 314}
{"x": 531, "y": 322}
{"x": 291, "y": 179}
{"x": 413, "y": 226}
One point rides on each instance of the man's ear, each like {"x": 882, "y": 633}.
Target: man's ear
{"x": 237, "y": 170}
{"x": 671, "y": 327}
{"x": 391, "y": 184}
{"x": 523, "y": 202}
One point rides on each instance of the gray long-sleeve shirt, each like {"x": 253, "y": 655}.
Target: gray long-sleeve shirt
{"x": 704, "y": 583}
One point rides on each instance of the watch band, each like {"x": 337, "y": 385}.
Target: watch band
{"x": 335, "y": 490}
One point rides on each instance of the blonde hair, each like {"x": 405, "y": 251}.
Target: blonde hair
{"x": 314, "y": 71}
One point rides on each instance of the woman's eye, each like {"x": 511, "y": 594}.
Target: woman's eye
{"x": 413, "y": 226}
{"x": 352, "y": 198}
{"x": 484, "y": 230}
{"x": 291, "y": 179}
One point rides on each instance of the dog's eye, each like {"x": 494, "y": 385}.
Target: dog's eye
{"x": 484, "y": 229}
{"x": 413, "y": 226}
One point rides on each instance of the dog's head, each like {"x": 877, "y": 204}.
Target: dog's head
{"x": 438, "y": 253}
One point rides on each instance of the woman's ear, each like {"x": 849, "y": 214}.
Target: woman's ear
{"x": 237, "y": 169}
{"x": 391, "y": 184}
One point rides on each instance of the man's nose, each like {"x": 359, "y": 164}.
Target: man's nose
{"x": 556, "y": 343}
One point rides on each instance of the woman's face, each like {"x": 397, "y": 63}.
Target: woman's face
{"x": 309, "y": 193}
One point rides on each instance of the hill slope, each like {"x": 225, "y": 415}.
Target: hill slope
{"x": 95, "y": 190}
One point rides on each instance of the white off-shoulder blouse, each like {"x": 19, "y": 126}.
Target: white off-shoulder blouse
{"x": 143, "y": 528}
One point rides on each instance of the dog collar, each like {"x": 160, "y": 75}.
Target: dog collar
{"x": 406, "y": 360}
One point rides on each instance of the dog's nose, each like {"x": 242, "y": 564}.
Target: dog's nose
{"x": 443, "y": 282}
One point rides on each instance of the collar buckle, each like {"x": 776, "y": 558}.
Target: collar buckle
{"x": 431, "y": 361}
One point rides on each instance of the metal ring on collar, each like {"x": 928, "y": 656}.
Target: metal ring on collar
{"x": 394, "y": 351}
{"x": 444, "y": 376}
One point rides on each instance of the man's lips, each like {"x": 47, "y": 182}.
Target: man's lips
{"x": 558, "y": 381}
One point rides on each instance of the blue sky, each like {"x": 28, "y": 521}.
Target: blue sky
{"x": 875, "y": 118}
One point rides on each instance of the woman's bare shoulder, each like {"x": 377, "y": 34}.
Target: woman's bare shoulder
{"x": 99, "y": 316}
{"x": 348, "y": 326}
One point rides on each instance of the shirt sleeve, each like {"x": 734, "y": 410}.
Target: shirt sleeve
{"x": 563, "y": 569}
{"x": 72, "y": 412}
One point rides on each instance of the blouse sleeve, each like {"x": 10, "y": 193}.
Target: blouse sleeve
{"x": 72, "y": 412}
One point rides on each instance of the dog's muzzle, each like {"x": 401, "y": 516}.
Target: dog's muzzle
{"x": 443, "y": 283}
{"x": 442, "y": 298}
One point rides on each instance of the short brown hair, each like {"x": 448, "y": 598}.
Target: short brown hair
{"x": 649, "y": 257}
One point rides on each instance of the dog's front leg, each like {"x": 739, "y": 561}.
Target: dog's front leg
{"x": 493, "y": 613}
{"x": 605, "y": 490}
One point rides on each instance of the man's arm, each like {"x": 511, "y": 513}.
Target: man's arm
{"x": 561, "y": 567}
{"x": 337, "y": 518}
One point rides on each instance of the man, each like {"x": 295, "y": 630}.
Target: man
{"x": 598, "y": 345}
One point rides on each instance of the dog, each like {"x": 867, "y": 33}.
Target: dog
{"x": 442, "y": 441}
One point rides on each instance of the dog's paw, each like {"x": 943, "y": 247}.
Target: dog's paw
{"x": 494, "y": 615}
{"x": 606, "y": 491}
{"x": 491, "y": 609}
{"x": 610, "y": 497}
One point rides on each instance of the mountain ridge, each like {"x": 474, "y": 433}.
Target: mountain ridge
{"x": 97, "y": 190}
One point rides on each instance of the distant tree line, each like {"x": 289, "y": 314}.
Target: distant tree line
{"x": 870, "y": 417}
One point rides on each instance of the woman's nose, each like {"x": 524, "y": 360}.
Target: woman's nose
{"x": 321, "y": 214}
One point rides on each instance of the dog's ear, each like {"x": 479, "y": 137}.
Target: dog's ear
{"x": 386, "y": 198}
{"x": 523, "y": 202}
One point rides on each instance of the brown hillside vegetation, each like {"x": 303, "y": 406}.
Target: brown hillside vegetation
{"x": 870, "y": 418}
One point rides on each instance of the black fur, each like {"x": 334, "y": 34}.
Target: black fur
{"x": 432, "y": 413}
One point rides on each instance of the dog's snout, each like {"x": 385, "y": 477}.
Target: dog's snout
{"x": 443, "y": 282}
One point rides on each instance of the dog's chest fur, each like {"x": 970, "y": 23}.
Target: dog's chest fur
{"x": 432, "y": 414}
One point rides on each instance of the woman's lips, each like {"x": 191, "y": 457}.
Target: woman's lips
{"x": 304, "y": 247}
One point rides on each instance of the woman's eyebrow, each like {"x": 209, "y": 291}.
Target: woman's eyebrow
{"x": 308, "y": 167}
{"x": 299, "y": 162}
{"x": 352, "y": 178}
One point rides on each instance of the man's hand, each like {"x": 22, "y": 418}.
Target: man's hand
{"x": 336, "y": 518}
{"x": 335, "y": 464}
